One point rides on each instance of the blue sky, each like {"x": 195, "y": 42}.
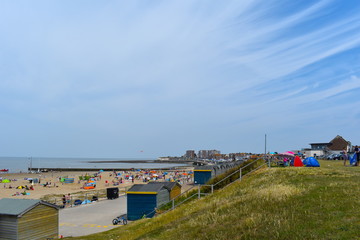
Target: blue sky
{"x": 155, "y": 78}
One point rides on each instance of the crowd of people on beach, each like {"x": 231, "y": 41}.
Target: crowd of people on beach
{"x": 22, "y": 184}
{"x": 144, "y": 176}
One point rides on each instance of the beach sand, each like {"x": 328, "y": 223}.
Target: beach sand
{"x": 58, "y": 188}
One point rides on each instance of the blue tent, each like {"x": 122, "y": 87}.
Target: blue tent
{"x": 353, "y": 159}
{"x": 86, "y": 201}
{"x": 311, "y": 162}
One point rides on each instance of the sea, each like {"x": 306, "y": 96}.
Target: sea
{"x": 21, "y": 164}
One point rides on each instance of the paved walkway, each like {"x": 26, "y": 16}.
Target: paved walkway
{"x": 90, "y": 218}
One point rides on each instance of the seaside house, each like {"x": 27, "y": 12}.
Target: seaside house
{"x": 23, "y": 219}
{"x": 336, "y": 145}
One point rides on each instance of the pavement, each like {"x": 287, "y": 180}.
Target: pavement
{"x": 91, "y": 218}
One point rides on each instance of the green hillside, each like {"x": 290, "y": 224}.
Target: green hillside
{"x": 276, "y": 203}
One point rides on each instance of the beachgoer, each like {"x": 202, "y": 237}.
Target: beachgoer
{"x": 344, "y": 155}
{"x": 64, "y": 200}
{"x": 357, "y": 155}
{"x": 68, "y": 198}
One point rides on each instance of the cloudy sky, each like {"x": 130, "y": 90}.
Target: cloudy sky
{"x": 155, "y": 78}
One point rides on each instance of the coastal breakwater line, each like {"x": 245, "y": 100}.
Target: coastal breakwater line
{"x": 81, "y": 169}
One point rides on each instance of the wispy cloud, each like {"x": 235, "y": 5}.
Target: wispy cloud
{"x": 168, "y": 75}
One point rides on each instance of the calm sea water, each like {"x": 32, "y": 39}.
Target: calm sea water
{"x": 17, "y": 164}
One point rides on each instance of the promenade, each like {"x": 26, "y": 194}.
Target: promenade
{"x": 90, "y": 218}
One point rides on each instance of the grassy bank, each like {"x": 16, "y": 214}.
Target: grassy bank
{"x": 276, "y": 203}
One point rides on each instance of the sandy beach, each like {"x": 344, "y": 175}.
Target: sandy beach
{"x": 50, "y": 183}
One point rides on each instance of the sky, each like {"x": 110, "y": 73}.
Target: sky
{"x": 144, "y": 79}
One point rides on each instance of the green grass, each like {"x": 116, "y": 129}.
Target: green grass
{"x": 276, "y": 203}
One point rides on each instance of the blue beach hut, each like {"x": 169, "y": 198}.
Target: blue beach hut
{"x": 143, "y": 199}
{"x": 203, "y": 174}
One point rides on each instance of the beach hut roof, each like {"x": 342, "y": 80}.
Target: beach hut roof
{"x": 167, "y": 185}
{"x": 206, "y": 167}
{"x": 17, "y": 207}
{"x": 146, "y": 188}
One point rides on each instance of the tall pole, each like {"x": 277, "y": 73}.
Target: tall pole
{"x": 265, "y": 152}
{"x": 265, "y": 144}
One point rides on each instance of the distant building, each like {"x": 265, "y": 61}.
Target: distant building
{"x": 190, "y": 154}
{"x": 203, "y": 154}
{"x": 208, "y": 154}
{"x": 336, "y": 145}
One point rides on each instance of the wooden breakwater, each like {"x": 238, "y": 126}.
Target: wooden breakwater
{"x": 92, "y": 169}
{"x": 95, "y": 169}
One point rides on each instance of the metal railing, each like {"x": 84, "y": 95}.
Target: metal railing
{"x": 198, "y": 194}
{"x": 240, "y": 172}
{"x": 99, "y": 194}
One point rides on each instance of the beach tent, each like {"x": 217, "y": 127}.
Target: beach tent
{"x": 353, "y": 159}
{"x": 5, "y": 180}
{"x": 311, "y": 162}
{"x": 86, "y": 201}
{"x": 298, "y": 162}
{"x": 288, "y": 153}
{"x": 68, "y": 180}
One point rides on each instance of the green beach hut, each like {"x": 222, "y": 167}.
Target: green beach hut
{"x": 23, "y": 219}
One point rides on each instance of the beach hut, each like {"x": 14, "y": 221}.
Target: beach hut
{"x": 202, "y": 174}
{"x": 174, "y": 188}
{"x": 28, "y": 219}
{"x": 143, "y": 199}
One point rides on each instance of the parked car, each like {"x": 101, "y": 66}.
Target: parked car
{"x": 334, "y": 157}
